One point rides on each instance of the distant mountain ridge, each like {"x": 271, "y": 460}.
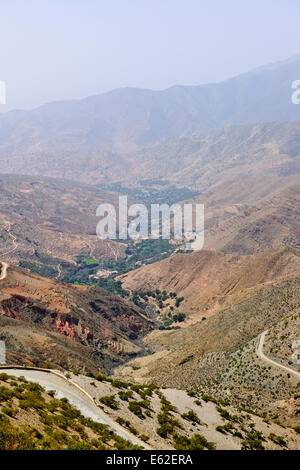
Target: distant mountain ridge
{"x": 92, "y": 133}
{"x": 200, "y": 161}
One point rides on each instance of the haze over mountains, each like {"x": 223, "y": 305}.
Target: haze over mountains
{"x": 85, "y": 139}
{"x": 188, "y": 319}
{"x": 119, "y": 329}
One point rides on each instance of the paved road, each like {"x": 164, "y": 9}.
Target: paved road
{"x": 65, "y": 389}
{"x": 259, "y": 351}
{"x": 4, "y": 267}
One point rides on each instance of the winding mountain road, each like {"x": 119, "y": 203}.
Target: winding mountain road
{"x": 259, "y": 351}
{"x": 77, "y": 396}
{"x": 14, "y": 240}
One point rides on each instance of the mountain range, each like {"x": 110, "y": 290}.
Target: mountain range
{"x": 180, "y": 319}
{"x": 91, "y": 139}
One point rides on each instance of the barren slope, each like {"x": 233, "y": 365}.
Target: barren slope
{"x": 253, "y": 226}
{"x": 168, "y": 419}
{"x": 55, "y": 218}
{"x": 218, "y": 355}
{"x": 44, "y": 321}
{"x": 209, "y": 280}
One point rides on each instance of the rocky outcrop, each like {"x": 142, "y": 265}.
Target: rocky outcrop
{"x": 91, "y": 317}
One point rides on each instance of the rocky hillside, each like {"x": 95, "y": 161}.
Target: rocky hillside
{"x": 43, "y": 321}
{"x": 180, "y": 419}
{"x": 233, "y": 152}
{"x": 252, "y": 222}
{"x": 32, "y": 418}
{"x": 217, "y": 354}
{"x": 210, "y": 280}
{"x": 45, "y": 218}
{"x": 197, "y": 162}
{"x": 282, "y": 342}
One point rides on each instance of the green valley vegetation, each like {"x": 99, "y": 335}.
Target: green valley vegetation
{"x": 160, "y": 305}
{"x": 144, "y": 252}
{"x": 152, "y": 191}
{"x": 85, "y": 268}
{"x": 85, "y": 271}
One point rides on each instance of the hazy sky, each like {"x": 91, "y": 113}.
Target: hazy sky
{"x": 64, "y": 49}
